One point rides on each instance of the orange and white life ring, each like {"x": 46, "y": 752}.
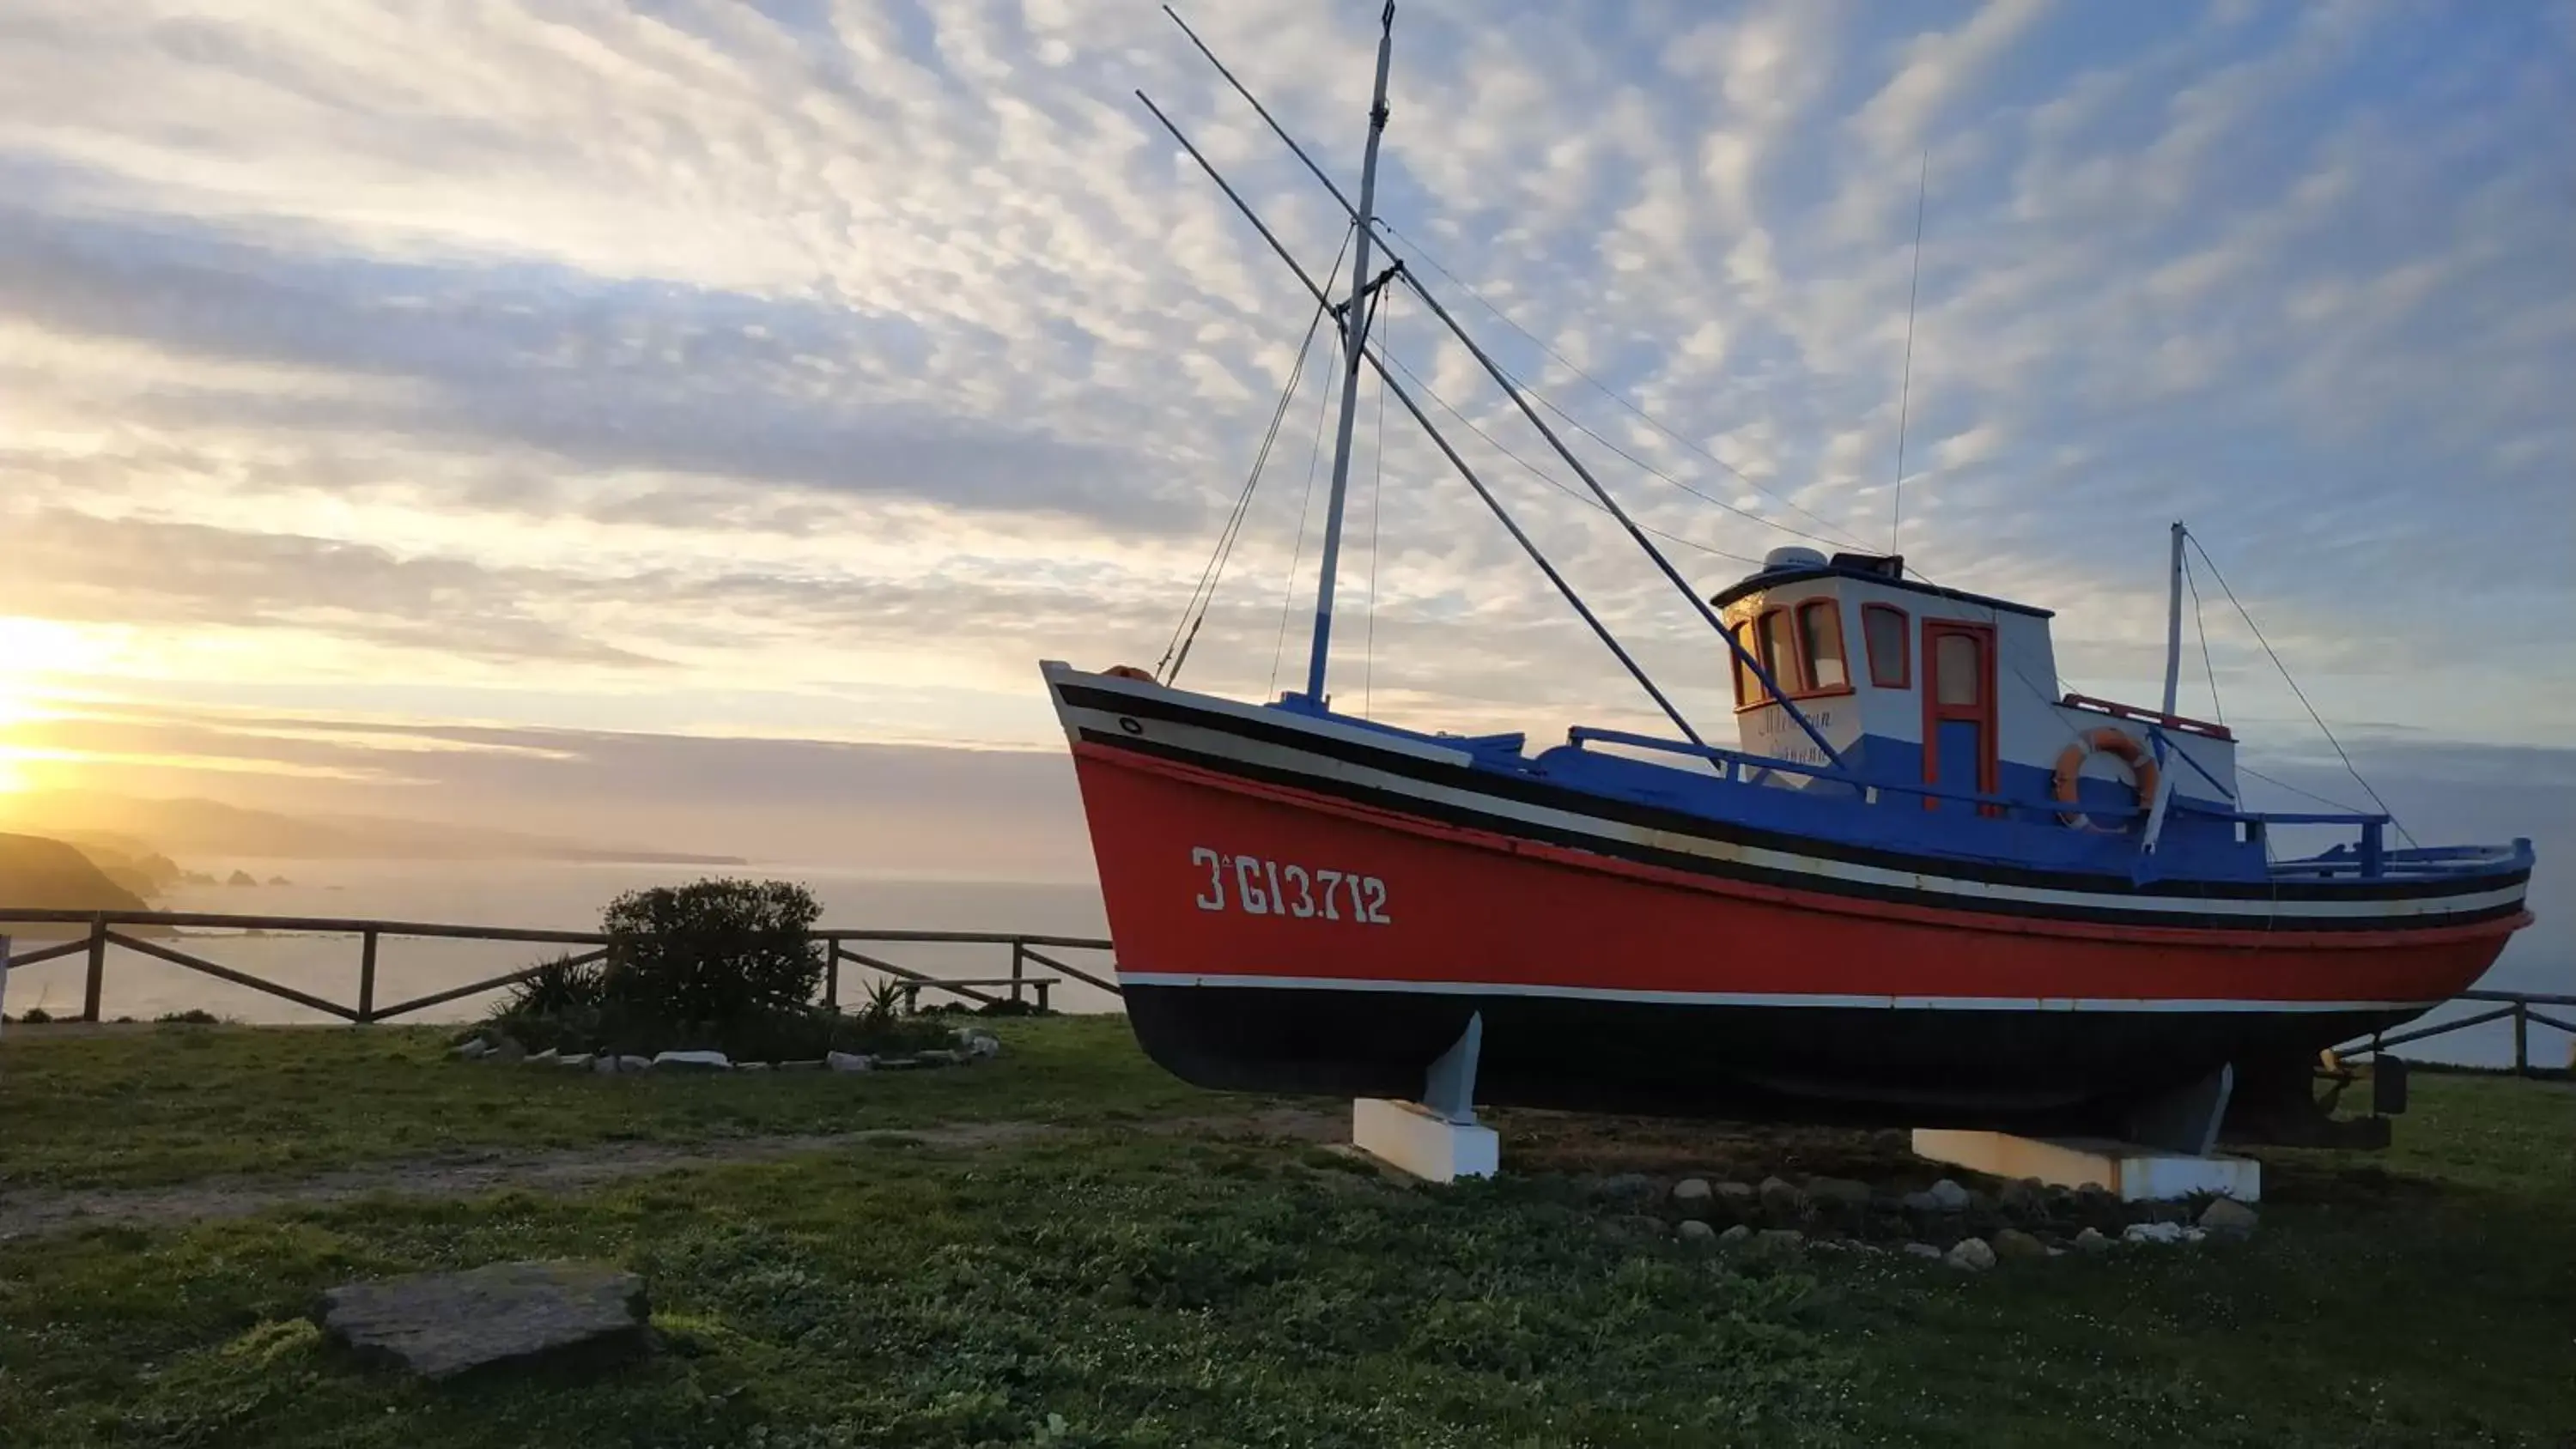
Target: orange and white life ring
{"x": 1129, "y": 671}
{"x": 2118, "y": 745}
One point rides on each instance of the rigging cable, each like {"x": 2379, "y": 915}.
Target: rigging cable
{"x": 1905, "y": 390}
{"x": 2302, "y": 694}
{"x": 1640, "y": 413}
{"x": 1315, "y": 453}
{"x": 1377, "y": 494}
{"x": 1204, "y": 594}
{"x": 2201, "y": 627}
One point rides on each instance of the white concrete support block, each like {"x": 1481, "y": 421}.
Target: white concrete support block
{"x": 1412, "y": 1137}
{"x": 2128, "y": 1171}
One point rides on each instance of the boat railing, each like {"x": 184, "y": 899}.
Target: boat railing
{"x": 2184, "y": 723}
{"x": 2367, "y": 858}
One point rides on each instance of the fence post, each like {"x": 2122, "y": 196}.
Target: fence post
{"x": 1019, "y": 967}
{"x": 96, "y": 985}
{"x": 2522, "y": 1038}
{"x": 367, "y": 979}
{"x": 832, "y": 974}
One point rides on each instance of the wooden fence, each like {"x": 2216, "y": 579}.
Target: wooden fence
{"x": 104, "y": 931}
{"x": 2516, "y": 1004}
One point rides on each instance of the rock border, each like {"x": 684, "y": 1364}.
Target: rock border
{"x": 972, "y": 1045}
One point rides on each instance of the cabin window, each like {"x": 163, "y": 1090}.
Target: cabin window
{"x": 1779, "y": 651}
{"x": 1883, "y": 627}
{"x": 1748, "y": 688}
{"x": 1820, "y": 629}
{"x": 1957, "y": 670}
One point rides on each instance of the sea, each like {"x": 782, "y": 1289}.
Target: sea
{"x": 570, "y": 896}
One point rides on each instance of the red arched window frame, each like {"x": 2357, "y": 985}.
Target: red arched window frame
{"x": 1884, "y": 672}
{"x": 1748, "y": 689}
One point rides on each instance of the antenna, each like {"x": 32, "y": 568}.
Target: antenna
{"x": 1905, "y": 390}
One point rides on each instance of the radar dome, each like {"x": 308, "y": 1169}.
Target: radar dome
{"x": 1792, "y": 556}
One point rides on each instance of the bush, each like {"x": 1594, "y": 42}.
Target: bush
{"x": 193, "y": 1016}
{"x": 36, "y": 1016}
{"x": 717, "y": 951}
{"x": 720, "y": 965}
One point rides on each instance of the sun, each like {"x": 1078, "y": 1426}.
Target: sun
{"x": 32, "y": 651}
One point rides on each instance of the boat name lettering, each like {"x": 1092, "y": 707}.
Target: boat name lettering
{"x": 1260, "y": 887}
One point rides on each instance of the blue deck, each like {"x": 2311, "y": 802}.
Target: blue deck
{"x": 1883, "y": 803}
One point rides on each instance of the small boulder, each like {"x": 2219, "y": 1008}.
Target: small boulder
{"x": 2158, "y": 1232}
{"x": 978, "y": 1044}
{"x": 1842, "y": 1192}
{"x": 1693, "y": 1199}
{"x": 1948, "y": 1196}
{"x": 2229, "y": 1219}
{"x": 507, "y": 1049}
{"x": 466, "y": 1051}
{"x": 634, "y": 1064}
{"x": 1626, "y": 1187}
{"x": 1696, "y": 1230}
{"x": 1736, "y": 1200}
{"x": 692, "y": 1061}
{"x": 1736, "y": 1234}
{"x": 808, "y": 1064}
{"x": 1780, "y": 1240}
{"x": 1922, "y": 1250}
{"x": 1922, "y": 1205}
{"x": 2024, "y": 1198}
{"x": 578, "y": 1061}
{"x": 438, "y": 1325}
{"x": 2014, "y": 1245}
{"x": 545, "y": 1058}
{"x": 2091, "y": 1241}
{"x": 1972, "y": 1255}
{"x": 605, "y": 1064}
{"x": 1782, "y": 1199}
{"x": 849, "y": 1062}
{"x": 751, "y": 1066}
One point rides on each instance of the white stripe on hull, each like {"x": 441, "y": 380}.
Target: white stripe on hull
{"x": 1224, "y": 981}
{"x": 1219, "y": 744}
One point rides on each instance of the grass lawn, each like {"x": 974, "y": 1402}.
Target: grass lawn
{"x": 1145, "y": 1273}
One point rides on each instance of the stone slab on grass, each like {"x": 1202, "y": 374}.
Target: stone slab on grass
{"x": 439, "y": 1325}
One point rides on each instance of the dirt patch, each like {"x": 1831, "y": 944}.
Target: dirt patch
{"x": 30, "y": 1214}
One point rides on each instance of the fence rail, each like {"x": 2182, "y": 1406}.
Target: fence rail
{"x": 101, "y": 933}
{"x": 2517, "y": 1005}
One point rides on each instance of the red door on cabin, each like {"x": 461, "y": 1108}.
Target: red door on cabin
{"x": 1959, "y": 708}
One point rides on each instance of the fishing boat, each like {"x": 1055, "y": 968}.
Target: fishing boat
{"x": 1926, "y": 886}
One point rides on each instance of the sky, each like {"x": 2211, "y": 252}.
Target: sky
{"x": 693, "y": 419}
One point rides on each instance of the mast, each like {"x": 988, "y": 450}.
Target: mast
{"x": 2173, "y": 623}
{"x": 1354, "y": 319}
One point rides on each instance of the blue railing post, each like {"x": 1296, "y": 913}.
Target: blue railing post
{"x": 2370, "y": 847}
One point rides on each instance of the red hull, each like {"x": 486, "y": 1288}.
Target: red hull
{"x": 1465, "y": 907}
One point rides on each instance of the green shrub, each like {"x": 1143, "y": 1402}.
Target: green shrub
{"x": 716, "y": 951}
{"x": 36, "y": 1016}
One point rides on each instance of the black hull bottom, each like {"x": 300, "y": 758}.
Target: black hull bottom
{"x": 2057, "y": 1072}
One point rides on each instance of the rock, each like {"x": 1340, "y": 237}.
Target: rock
{"x": 2152, "y": 1233}
{"x": 1972, "y": 1255}
{"x": 977, "y": 1044}
{"x": 1736, "y": 1234}
{"x": 895, "y": 1063}
{"x": 809, "y": 1064}
{"x": 1695, "y": 1230}
{"x": 1842, "y": 1192}
{"x": 1781, "y": 1199}
{"x": 2014, "y": 1245}
{"x": 1780, "y": 1240}
{"x": 1626, "y": 1187}
{"x": 634, "y": 1064}
{"x": 849, "y": 1062}
{"x": 507, "y": 1049}
{"x": 548, "y": 1057}
{"x": 1636, "y": 1225}
{"x": 605, "y": 1064}
{"x": 1693, "y": 1199}
{"x": 2091, "y": 1241}
{"x": 1948, "y": 1196}
{"x": 1922, "y": 1205}
{"x": 692, "y": 1061}
{"x": 578, "y": 1061}
{"x": 2227, "y": 1218}
{"x": 2024, "y": 1198}
{"x": 751, "y": 1066}
{"x": 466, "y": 1051}
{"x": 441, "y": 1324}
{"x": 1922, "y": 1250}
